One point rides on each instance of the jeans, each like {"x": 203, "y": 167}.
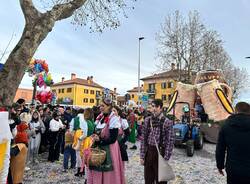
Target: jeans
{"x": 69, "y": 152}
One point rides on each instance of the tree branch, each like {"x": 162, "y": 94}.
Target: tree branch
{"x": 29, "y": 10}
{"x": 63, "y": 11}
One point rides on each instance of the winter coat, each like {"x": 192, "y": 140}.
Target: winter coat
{"x": 234, "y": 142}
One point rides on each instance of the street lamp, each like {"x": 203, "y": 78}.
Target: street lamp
{"x": 139, "y": 69}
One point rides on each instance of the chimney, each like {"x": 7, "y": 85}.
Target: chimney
{"x": 88, "y": 80}
{"x": 73, "y": 76}
{"x": 91, "y": 79}
{"x": 114, "y": 90}
{"x": 172, "y": 66}
{"x": 63, "y": 79}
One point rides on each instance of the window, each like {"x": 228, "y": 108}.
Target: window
{"x": 69, "y": 90}
{"x": 151, "y": 86}
{"x": 163, "y": 85}
{"x": 62, "y": 90}
{"x": 132, "y": 96}
{"x": 169, "y": 97}
{"x": 86, "y": 91}
{"x": 54, "y": 91}
{"x": 59, "y": 91}
{"x": 92, "y": 92}
{"x": 92, "y": 101}
{"x": 170, "y": 85}
{"x": 85, "y": 100}
{"x": 164, "y": 97}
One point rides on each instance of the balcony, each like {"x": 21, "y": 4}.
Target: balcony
{"x": 151, "y": 91}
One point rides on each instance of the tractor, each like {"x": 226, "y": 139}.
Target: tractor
{"x": 187, "y": 131}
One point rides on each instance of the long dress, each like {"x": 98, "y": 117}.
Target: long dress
{"x": 115, "y": 176}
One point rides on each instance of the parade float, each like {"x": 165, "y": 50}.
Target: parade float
{"x": 209, "y": 99}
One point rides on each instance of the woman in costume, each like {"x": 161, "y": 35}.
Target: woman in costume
{"x": 123, "y": 132}
{"x": 112, "y": 170}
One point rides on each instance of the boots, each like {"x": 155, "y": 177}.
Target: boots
{"x": 79, "y": 173}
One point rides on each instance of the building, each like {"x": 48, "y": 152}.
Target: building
{"x": 121, "y": 100}
{"x": 26, "y": 94}
{"x": 80, "y": 92}
{"x": 133, "y": 93}
{"x": 162, "y": 85}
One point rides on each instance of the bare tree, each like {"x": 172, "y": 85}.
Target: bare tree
{"x": 192, "y": 47}
{"x": 171, "y": 44}
{"x": 99, "y": 15}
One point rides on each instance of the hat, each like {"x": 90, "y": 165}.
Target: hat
{"x": 20, "y": 101}
{"x": 107, "y": 101}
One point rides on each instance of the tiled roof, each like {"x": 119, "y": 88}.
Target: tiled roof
{"x": 135, "y": 89}
{"x": 78, "y": 81}
{"x": 167, "y": 74}
{"x": 120, "y": 98}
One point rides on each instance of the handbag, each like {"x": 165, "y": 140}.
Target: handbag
{"x": 165, "y": 171}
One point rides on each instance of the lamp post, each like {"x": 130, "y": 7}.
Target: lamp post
{"x": 139, "y": 69}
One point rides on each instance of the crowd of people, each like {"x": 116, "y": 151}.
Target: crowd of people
{"x": 72, "y": 133}
{"x": 69, "y": 133}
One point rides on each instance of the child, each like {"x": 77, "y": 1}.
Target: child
{"x": 69, "y": 151}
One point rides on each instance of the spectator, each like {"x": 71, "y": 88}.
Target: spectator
{"x": 160, "y": 128}
{"x": 233, "y": 141}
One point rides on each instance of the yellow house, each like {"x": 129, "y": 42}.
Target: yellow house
{"x": 162, "y": 85}
{"x": 78, "y": 92}
{"x": 134, "y": 94}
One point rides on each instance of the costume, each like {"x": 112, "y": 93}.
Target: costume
{"x": 35, "y": 140}
{"x": 19, "y": 153}
{"x": 132, "y": 125}
{"x": 112, "y": 170}
{"x": 163, "y": 132}
{"x": 5, "y": 139}
{"x": 123, "y": 138}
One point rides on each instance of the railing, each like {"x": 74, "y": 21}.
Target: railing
{"x": 151, "y": 91}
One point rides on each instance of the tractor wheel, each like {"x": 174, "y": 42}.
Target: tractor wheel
{"x": 199, "y": 142}
{"x": 190, "y": 148}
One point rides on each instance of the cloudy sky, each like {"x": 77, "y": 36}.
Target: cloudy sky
{"x": 112, "y": 57}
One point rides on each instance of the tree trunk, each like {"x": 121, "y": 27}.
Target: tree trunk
{"x": 34, "y": 33}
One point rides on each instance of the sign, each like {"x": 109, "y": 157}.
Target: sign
{"x": 144, "y": 100}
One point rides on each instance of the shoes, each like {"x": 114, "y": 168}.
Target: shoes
{"x": 133, "y": 147}
{"x": 79, "y": 173}
{"x": 65, "y": 170}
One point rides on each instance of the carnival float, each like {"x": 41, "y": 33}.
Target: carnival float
{"x": 209, "y": 100}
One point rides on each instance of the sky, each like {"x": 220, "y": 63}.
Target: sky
{"x": 112, "y": 57}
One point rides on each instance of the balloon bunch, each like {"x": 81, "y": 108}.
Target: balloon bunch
{"x": 46, "y": 97}
{"x": 39, "y": 69}
{"x": 37, "y": 66}
{"x": 43, "y": 79}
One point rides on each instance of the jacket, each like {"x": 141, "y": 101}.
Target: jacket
{"x": 234, "y": 139}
